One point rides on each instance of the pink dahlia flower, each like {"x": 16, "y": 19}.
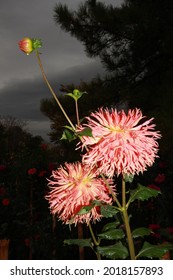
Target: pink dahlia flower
{"x": 74, "y": 186}
{"x": 121, "y": 143}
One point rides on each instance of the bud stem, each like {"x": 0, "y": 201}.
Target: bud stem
{"x": 51, "y": 90}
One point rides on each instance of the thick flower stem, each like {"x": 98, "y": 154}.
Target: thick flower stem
{"x": 126, "y": 222}
{"x": 51, "y": 90}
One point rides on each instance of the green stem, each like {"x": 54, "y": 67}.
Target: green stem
{"x": 126, "y": 222}
{"x": 52, "y": 91}
{"x": 77, "y": 112}
{"x": 96, "y": 243}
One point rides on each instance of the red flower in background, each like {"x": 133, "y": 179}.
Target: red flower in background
{"x": 2, "y": 167}
{"x": 156, "y": 235}
{"x": 42, "y": 173}
{"x": 5, "y": 201}
{"x": 44, "y": 146}
{"x": 154, "y": 187}
{"x": 160, "y": 178}
{"x": 154, "y": 227}
{"x": 32, "y": 171}
{"x": 27, "y": 242}
{"x": 37, "y": 237}
{"x": 52, "y": 166}
{"x": 170, "y": 230}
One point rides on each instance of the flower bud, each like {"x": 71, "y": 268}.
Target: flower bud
{"x": 26, "y": 45}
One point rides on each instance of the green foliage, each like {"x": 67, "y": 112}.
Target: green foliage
{"x": 110, "y": 226}
{"x": 154, "y": 251}
{"x": 112, "y": 234}
{"x": 84, "y": 210}
{"x": 79, "y": 242}
{"x": 109, "y": 211}
{"x": 87, "y": 131}
{"x": 116, "y": 251}
{"x": 76, "y": 94}
{"x": 142, "y": 193}
{"x": 68, "y": 135}
{"x": 141, "y": 232}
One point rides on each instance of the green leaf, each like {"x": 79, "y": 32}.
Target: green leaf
{"x": 69, "y": 127}
{"x": 142, "y": 193}
{"x": 112, "y": 234}
{"x": 76, "y": 94}
{"x": 154, "y": 251}
{"x": 116, "y": 251}
{"x": 108, "y": 211}
{"x": 109, "y": 226}
{"x": 79, "y": 242}
{"x": 87, "y": 131}
{"x": 71, "y": 95}
{"x": 68, "y": 135}
{"x": 140, "y": 232}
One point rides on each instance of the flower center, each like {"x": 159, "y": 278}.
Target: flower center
{"x": 82, "y": 182}
{"x": 117, "y": 129}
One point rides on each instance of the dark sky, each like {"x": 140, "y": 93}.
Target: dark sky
{"x": 63, "y": 57}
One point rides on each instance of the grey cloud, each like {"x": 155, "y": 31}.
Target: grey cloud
{"x": 64, "y": 59}
{"x": 21, "y": 99}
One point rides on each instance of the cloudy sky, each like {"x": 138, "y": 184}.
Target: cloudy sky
{"x": 63, "y": 57}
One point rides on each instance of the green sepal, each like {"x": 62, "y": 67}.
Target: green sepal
{"x": 36, "y": 43}
{"x": 116, "y": 251}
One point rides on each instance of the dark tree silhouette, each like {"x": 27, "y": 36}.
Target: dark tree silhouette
{"x": 134, "y": 43}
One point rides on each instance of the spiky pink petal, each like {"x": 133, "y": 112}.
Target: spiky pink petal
{"x": 121, "y": 143}
{"x": 74, "y": 186}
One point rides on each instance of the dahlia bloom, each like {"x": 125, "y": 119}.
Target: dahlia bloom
{"x": 73, "y": 187}
{"x": 121, "y": 143}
